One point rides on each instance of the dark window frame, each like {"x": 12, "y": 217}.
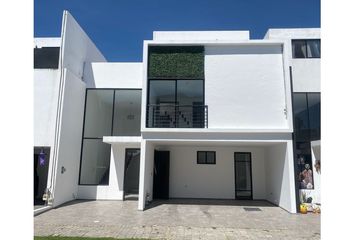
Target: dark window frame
{"x": 306, "y": 53}
{"x": 175, "y": 95}
{"x": 83, "y": 128}
{"x": 205, "y": 158}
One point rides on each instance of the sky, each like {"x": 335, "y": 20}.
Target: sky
{"x": 118, "y": 27}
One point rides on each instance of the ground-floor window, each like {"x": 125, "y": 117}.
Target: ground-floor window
{"x": 206, "y": 157}
{"x": 95, "y": 161}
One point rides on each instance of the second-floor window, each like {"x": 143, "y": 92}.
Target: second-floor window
{"x": 46, "y": 57}
{"x": 306, "y": 48}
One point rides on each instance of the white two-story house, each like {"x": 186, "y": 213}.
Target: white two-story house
{"x": 206, "y": 115}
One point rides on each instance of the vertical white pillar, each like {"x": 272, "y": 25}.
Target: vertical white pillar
{"x": 290, "y": 159}
{"x": 141, "y": 202}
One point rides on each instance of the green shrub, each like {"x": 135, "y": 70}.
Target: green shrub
{"x": 176, "y": 62}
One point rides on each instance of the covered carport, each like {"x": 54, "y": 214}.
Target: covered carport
{"x": 271, "y": 170}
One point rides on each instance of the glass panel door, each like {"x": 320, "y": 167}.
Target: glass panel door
{"x": 243, "y": 176}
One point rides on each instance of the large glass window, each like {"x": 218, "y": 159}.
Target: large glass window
{"x": 301, "y": 117}
{"x": 127, "y": 113}
{"x": 314, "y": 106}
{"x": 176, "y": 103}
{"x": 98, "y": 113}
{"x": 307, "y": 116}
{"x": 108, "y": 112}
{"x": 162, "y": 91}
{"x": 95, "y": 162}
{"x": 307, "y": 128}
{"x": 307, "y": 48}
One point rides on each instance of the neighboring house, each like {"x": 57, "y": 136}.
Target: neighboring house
{"x": 207, "y": 114}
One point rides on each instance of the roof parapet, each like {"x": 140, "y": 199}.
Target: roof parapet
{"x": 201, "y": 35}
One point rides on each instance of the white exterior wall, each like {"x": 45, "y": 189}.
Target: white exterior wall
{"x": 118, "y": 75}
{"x": 306, "y": 72}
{"x": 46, "y": 87}
{"x": 191, "y": 180}
{"x": 280, "y": 181}
{"x": 69, "y": 145}
{"x": 245, "y": 87}
{"x": 316, "y": 155}
{"x": 47, "y": 42}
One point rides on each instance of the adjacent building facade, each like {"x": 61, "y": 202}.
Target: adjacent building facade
{"x": 209, "y": 114}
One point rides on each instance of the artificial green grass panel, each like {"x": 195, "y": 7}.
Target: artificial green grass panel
{"x": 176, "y": 62}
{"x": 83, "y": 238}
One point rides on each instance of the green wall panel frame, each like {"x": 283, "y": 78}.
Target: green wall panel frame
{"x": 176, "y": 62}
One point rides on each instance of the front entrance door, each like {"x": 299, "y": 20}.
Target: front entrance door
{"x": 40, "y": 169}
{"x": 161, "y": 174}
{"x": 243, "y": 175}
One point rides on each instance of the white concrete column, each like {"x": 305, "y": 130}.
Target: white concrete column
{"x": 290, "y": 159}
{"x": 142, "y": 195}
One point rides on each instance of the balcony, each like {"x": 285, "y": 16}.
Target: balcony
{"x": 177, "y": 116}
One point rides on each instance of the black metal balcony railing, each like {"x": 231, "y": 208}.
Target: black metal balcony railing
{"x": 177, "y": 116}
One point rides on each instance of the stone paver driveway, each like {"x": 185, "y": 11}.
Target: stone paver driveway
{"x": 177, "y": 219}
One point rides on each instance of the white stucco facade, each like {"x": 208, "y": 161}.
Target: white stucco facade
{"x": 306, "y": 72}
{"x": 247, "y": 89}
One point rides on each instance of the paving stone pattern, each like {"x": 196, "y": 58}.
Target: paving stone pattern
{"x": 177, "y": 219}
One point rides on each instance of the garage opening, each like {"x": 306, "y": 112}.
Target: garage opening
{"x": 131, "y": 173}
{"x": 40, "y": 169}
